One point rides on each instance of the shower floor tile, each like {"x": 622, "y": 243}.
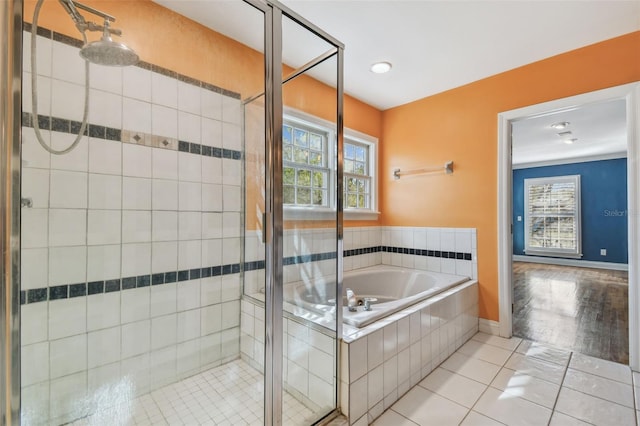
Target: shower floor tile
{"x": 231, "y": 394}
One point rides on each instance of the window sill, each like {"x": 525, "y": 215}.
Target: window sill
{"x": 314, "y": 213}
{"x": 553, "y": 254}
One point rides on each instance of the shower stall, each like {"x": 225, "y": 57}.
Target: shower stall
{"x": 164, "y": 200}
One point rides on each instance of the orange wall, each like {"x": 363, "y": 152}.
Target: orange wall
{"x": 172, "y": 41}
{"x": 461, "y": 125}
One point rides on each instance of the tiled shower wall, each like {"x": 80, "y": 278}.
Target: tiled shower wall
{"x": 131, "y": 249}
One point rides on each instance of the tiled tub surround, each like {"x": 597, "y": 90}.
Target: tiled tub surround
{"x": 131, "y": 251}
{"x": 383, "y": 361}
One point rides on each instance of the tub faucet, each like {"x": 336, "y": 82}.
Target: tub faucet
{"x": 352, "y": 302}
{"x": 367, "y": 302}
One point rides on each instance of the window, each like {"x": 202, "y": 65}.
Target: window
{"x": 552, "y": 216}
{"x": 309, "y": 158}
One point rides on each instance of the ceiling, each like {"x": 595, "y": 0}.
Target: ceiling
{"x": 600, "y": 130}
{"x": 434, "y": 46}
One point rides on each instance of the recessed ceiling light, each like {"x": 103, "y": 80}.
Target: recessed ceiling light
{"x": 565, "y": 134}
{"x": 381, "y": 67}
{"x": 560, "y": 125}
{"x": 570, "y": 141}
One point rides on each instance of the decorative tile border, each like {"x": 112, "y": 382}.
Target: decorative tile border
{"x": 67, "y": 291}
{"x": 63, "y": 125}
{"x": 404, "y": 250}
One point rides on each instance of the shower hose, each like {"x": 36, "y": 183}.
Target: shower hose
{"x": 34, "y": 90}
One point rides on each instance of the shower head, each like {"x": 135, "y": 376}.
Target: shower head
{"x": 108, "y": 52}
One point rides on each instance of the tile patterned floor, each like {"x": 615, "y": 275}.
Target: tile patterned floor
{"x": 495, "y": 381}
{"x": 231, "y": 394}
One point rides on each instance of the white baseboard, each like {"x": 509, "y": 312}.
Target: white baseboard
{"x": 571, "y": 262}
{"x": 488, "y": 326}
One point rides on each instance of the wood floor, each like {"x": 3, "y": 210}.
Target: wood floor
{"x": 582, "y": 309}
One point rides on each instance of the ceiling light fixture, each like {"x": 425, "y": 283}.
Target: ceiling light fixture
{"x": 570, "y": 141}
{"x": 560, "y": 125}
{"x": 565, "y": 134}
{"x": 381, "y": 67}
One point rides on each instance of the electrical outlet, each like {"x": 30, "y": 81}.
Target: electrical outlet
{"x": 519, "y": 218}
{"x": 603, "y": 252}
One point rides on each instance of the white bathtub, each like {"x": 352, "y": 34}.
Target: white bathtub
{"x": 394, "y": 287}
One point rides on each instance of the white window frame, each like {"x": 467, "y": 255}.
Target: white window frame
{"x": 554, "y": 252}
{"x": 317, "y": 212}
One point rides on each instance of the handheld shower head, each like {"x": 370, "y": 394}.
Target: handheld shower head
{"x": 108, "y": 52}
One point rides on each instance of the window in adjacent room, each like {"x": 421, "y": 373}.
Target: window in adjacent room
{"x": 552, "y": 216}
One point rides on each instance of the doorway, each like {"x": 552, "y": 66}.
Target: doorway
{"x": 570, "y": 229}
{"x": 628, "y": 94}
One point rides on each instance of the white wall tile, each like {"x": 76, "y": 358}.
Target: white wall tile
{"x": 67, "y": 317}
{"x": 163, "y": 331}
{"x": 230, "y": 314}
{"x": 35, "y": 185}
{"x": 211, "y": 170}
{"x": 64, "y": 389}
{"x": 136, "y": 338}
{"x": 103, "y": 311}
{"x": 188, "y": 295}
{"x": 189, "y": 225}
{"x": 189, "y": 127}
{"x": 104, "y": 346}
{"x": 448, "y": 266}
{"x": 103, "y": 377}
{"x": 106, "y": 78}
{"x": 136, "y": 160}
{"x": 232, "y": 198}
{"x": 189, "y": 98}
{"x": 189, "y": 254}
{"x": 105, "y": 156}
{"x": 164, "y": 121}
{"x": 188, "y": 358}
{"x": 135, "y": 304}
{"x": 433, "y": 238}
{"x": 230, "y": 225}
{"x": 136, "y": 193}
{"x": 105, "y": 108}
{"x": 136, "y": 226}
{"x": 67, "y": 99}
{"x": 189, "y": 167}
{"x": 189, "y": 196}
{"x": 136, "y": 83}
{"x": 68, "y": 190}
{"x": 164, "y": 194}
{"x": 211, "y": 133}
{"x": 447, "y": 240}
{"x": 231, "y": 110}
{"x": 210, "y": 290}
{"x": 67, "y": 64}
{"x": 231, "y": 172}
{"x": 35, "y": 363}
{"x": 188, "y": 325}
{"x": 136, "y": 259}
{"x": 210, "y": 319}
{"x": 230, "y": 251}
{"x": 105, "y": 192}
{"x": 103, "y": 262}
{"x": 163, "y": 299}
{"x": 34, "y": 324}
{"x": 136, "y": 115}
{"x": 231, "y": 136}
{"x": 75, "y": 160}
{"x": 463, "y": 240}
{"x": 375, "y": 348}
{"x": 211, "y": 104}
{"x": 390, "y": 375}
{"x": 164, "y": 226}
{"x": 211, "y": 225}
{"x": 163, "y": 366}
{"x": 67, "y": 265}
{"x": 165, "y": 163}
{"x": 34, "y": 228}
{"x": 212, "y": 197}
{"x": 164, "y": 256}
{"x": 104, "y": 227}
{"x": 211, "y": 252}
{"x": 390, "y": 340}
{"x": 34, "y": 272}
{"x": 164, "y": 90}
{"x": 33, "y": 155}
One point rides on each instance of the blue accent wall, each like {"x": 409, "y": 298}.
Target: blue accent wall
{"x": 604, "y": 206}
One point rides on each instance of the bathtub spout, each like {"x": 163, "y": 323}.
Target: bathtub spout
{"x": 367, "y": 302}
{"x": 352, "y": 302}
